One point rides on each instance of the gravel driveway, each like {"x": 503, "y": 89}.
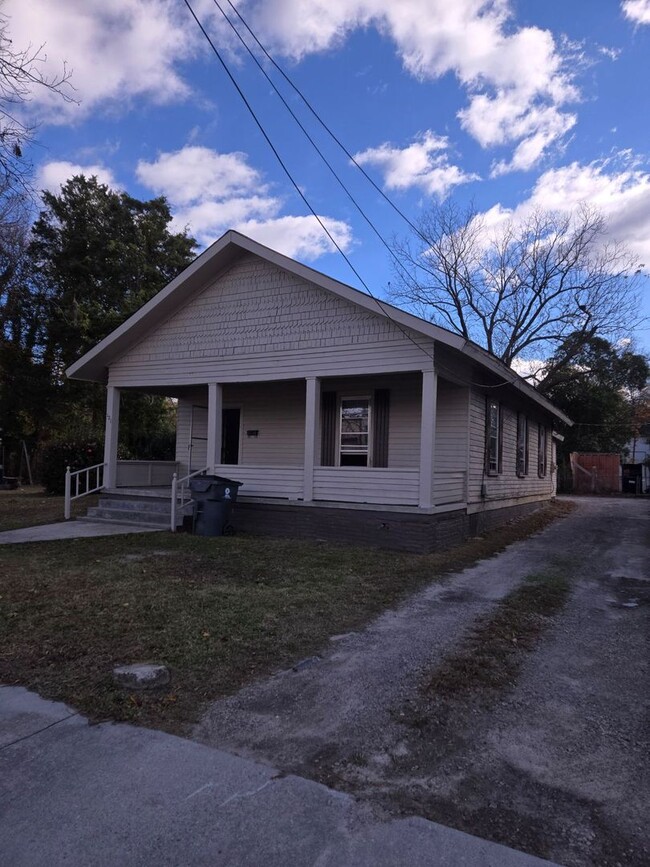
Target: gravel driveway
{"x": 556, "y": 764}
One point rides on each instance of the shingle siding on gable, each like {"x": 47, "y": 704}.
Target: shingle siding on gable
{"x": 258, "y": 321}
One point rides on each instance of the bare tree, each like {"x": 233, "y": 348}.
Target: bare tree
{"x": 22, "y": 72}
{"x": 524, "y": 289}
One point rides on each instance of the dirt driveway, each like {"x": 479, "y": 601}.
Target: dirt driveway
{"x": 483, "y": 705}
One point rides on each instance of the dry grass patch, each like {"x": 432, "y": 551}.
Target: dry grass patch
{"x": 492, "y": 655}
{"x": 30, "y": 506}
{"x": 218, "y": 612}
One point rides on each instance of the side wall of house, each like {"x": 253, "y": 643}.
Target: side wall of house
{"x": 506, "y": 487}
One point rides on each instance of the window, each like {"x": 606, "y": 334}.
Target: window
{"x": 541, "y": 451}
{"x": 354, "y": 432}
{"x": 522, "y": 445}
{"x": 493, "y": 438}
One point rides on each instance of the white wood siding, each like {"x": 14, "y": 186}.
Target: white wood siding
{"x": 282, "y": 482}
{"x": 367, "y": 485}
{"x": 507, "y": 485}
{"x": 451, "y": 427}
{"x": 258, "y": 322}
{"x": 145, "y": 474}
{"x": 277, "y": 411}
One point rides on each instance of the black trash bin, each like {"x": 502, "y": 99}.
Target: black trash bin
{"x": 213, "y": 501}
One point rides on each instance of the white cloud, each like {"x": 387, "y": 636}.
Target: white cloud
{"x": 424, "y": 164}
{"x": 618, "y": 186}
{"x": 637, "y": 11}
{"x": 212, "y": 192}
{"x": 194, "y": 173}
{"x": 513, "y": 73}
{"x": 115, "y": 51}
{"x": 51, "y": 176}
{"x": 300, "y": 237}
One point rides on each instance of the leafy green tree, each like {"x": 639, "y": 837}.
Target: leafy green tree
{"x": 99, "y": 255}
{"x": 94, "y": 257}
{"x": 598, "y": 392}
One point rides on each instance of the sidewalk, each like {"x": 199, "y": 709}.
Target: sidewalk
{"x": 69, "y": 530}
{"x": 111, "y": 794}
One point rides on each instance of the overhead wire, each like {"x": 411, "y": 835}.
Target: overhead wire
{"x": 283, "y": 165}
{"x": 320, "y": 120}
{"x": 302, "y": 127}
{"x": 380, "y": 304}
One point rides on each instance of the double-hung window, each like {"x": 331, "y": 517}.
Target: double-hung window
{"x": 541, "y": 451}
{"x": 522, "y": 445}
{"x": 354, "y": 427}
{"x": 493, "y": 438}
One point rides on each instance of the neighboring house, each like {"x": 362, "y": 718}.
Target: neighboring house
{"x": 344, "y": 417}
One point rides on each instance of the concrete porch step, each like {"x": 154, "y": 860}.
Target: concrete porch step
{"x": 134, "y": 504}
{"x": 130, "y": 516}
{"x": 141, "y": 524}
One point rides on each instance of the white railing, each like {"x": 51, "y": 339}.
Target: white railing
{"x": 178, "y": 493}
{"x": 82, "y": 488}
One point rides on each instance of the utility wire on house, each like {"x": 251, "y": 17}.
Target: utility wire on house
{"x": 283, "y": 165}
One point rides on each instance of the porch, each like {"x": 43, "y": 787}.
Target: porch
{"x": 395, "y": 441}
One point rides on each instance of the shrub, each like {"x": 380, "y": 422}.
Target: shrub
{"x": 59, "y": 454}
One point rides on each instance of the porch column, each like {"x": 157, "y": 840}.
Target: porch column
{"x": 215, "y": 410}
{"x": 111, "y": 435}
{"x": 312, "y": 431}
{"x": 428, "y": 437}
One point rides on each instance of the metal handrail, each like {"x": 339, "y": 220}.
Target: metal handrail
{"x": 76, "y": 475}
{"x": 176, "y": 493}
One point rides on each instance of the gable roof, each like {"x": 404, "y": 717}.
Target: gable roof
{"x": 218, "y": 258}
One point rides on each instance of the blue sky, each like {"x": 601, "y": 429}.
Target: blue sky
{"x": 510, "y": 105}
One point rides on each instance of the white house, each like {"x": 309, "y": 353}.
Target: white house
{"x": 344, "y": 417}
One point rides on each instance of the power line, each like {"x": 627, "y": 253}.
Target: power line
{"x": 309, "y": 137}
{"x": 295, "y": 185}
{"x": 325, "y": 126}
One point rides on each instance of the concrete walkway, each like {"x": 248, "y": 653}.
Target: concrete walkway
{"x": 104, "y": 795}
{"x": 70, "y": 530}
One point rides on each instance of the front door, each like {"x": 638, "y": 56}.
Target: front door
{"x": 231, "y": 419}
{"x": 230, "y": 423}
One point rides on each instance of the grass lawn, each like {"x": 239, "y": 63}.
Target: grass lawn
{"x": 30, "y": 505}
{"x": 219, "y": 612}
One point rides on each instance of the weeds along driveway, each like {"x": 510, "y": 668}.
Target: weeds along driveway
{"x": 509, "y": 702}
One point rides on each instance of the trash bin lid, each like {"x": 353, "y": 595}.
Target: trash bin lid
{"x": 201, "y": 485}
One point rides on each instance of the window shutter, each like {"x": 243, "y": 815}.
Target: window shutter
{"x": 381, "y": 411}
{"x": 328, "y": 429}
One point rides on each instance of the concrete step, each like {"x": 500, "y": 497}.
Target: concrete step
{"x": 142, "y": 524}
{"x": 136, "y": 505}
{"x": 130, "y": 516}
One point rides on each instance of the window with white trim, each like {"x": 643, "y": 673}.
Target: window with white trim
{"x": 493, "y": 438}
{"x": 354, "y": 432}
{"x": 522, "y": 445}
{"x": 542, "y": 447}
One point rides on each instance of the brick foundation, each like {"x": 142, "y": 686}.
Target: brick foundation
{"x": 397, "y": 531}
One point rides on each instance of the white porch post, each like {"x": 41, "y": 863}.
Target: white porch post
{"x": 312, "y": 431}
{"x": 428, "y": 437}
{"x": 111, "y": 436}
{"x": 215, "y": 409}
